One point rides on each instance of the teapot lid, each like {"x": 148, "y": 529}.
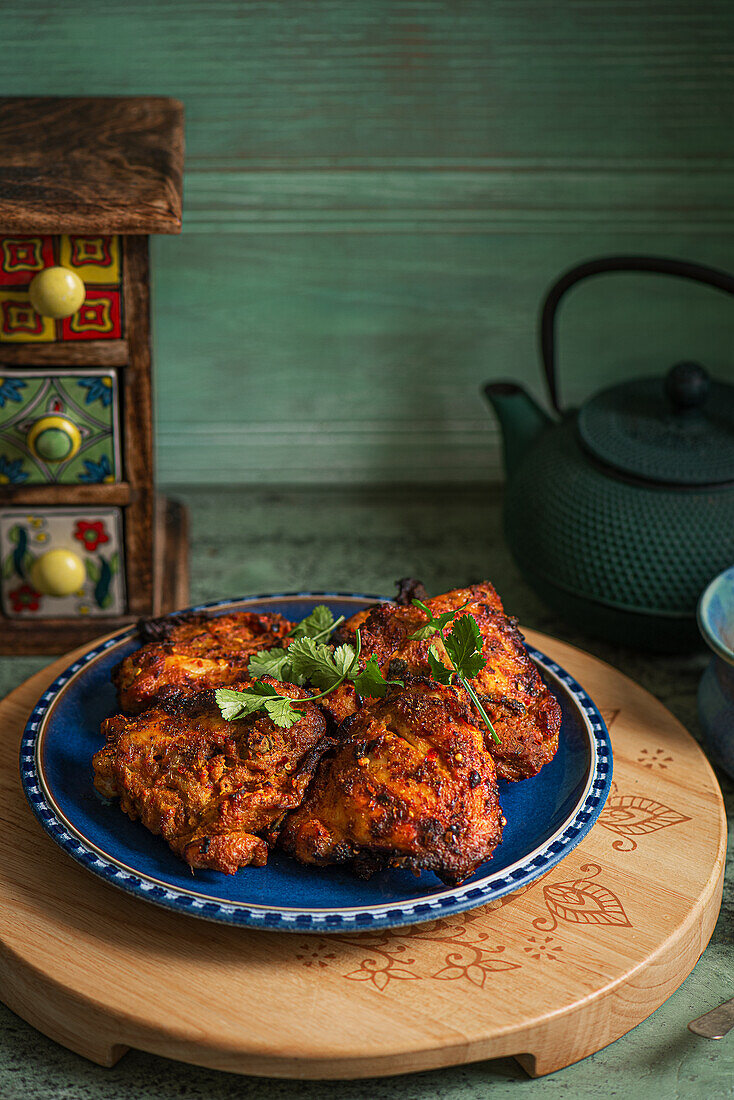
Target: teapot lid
{"x": 677, "y": 430}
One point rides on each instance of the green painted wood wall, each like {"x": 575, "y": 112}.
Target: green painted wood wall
{"x": 377, "y": 195}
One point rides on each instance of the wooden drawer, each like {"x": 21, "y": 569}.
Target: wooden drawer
{"x": 86, "y": 553}
{"x": 59, "y": 427}
{"x": 97, "y": 260}
{"x": 83, "y": 182}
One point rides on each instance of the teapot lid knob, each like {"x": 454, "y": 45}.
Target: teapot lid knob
{"x": 687, "y": 386}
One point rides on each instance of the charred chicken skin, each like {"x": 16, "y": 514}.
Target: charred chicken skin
{"x": 191, "y": 653}
{"x": 216, "y": 791}
{"x": 524, "y": 713}
{"x": 409, "y": 784}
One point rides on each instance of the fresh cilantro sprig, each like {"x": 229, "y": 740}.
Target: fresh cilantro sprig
{"x": 238, "y": 704}
{"x": 277, "y": 662}
{"x": 371, "y": 682}
{"x": 320, "y": 664}
{"x": 463, "y": 645}
{"x": 309, "y": 660}
{"x": 306, "y": 660}
{"x": 435, "y": 623}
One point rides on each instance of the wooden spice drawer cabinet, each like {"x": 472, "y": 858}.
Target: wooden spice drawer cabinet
{"x": 85, "y": 543}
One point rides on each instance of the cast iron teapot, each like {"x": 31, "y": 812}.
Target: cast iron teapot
{"x": 621, "y": 512}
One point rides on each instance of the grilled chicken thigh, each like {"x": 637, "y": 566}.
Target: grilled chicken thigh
{"x": 216, "y": 791}
{"x": 190, "y": 653}
{"x": 524, "y": 713}
{"x": 409, "y": 784}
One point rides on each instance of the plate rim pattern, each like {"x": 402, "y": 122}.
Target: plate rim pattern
{"x": 341, "y": 919}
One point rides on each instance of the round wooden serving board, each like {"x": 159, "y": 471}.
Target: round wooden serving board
{"x": 550, "y": 975}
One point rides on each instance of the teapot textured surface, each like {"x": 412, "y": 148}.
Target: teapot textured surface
{"x": 620, "y": 514}
{"x": 644, "y": 548}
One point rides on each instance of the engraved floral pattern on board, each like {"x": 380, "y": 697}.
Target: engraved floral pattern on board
{"x": 543, "y": 947}
{"x": 633, "y": 816}
{"x": 582, "y": 901}
{"x": 382, "y": 965}
{"x": 654, "y": 758}
{"x": 465, "y": 952}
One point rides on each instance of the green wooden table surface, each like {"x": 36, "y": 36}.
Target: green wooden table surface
{"x": 248, "y": 541}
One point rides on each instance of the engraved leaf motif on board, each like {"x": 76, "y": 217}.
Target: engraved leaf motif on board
{"x": 632, "y": 815}
{"x": 582, "y": 902}
{"x": 379, "y": 977}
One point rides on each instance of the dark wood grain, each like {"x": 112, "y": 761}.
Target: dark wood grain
{"x": 22, "y": 637}
{"x": 100, "y": 496}
{"x": 82, "y": 164}
{"x": 171, "y": 563}
{"x": 66, "y": 353}
{"x": 137, "y": 430}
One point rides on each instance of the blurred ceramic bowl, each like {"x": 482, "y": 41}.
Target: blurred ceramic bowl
{"x": 716, "y": 690}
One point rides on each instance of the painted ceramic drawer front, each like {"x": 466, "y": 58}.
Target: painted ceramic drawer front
{"x": 59, "y": 427}
{"x": 96, "y": 260}
{"x": 89, "y": 543}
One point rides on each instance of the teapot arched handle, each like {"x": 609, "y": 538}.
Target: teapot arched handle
{"x": 657, "y": 265}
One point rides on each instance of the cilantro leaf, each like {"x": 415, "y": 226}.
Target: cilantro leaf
{"x": 438, "y": 668}
{"x": 345, "y": 659}
{"x": 237, "y": 704}
{"x": 270, "y": 662}
{"x": 314, "y": 661}
{"x": 319, "y": 622}
{"x": 423, "y": 632}
{"x": 435, "y": 622}
{"x": 281, "y": 711}
{"x": 370, "y": 681}
{"x": 263, "y": 689}
{"x": 464, "y": 646}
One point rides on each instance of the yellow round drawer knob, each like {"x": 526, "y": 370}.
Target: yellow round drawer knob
{"x": 56, "y": 292}
{"x": 58, "y": 573}
{"x": 54, "y": 438}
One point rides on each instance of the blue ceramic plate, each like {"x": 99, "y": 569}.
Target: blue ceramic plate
{"x": 546, "y": 816}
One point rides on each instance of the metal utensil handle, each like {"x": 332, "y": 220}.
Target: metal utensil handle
{"x": 715, "y": 1024}
{"x": 657, "y": 265}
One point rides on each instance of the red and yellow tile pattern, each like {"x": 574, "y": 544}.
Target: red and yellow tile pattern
{"x": 97, "y": 261}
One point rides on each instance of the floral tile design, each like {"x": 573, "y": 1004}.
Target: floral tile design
{"x": 94, "y": 534}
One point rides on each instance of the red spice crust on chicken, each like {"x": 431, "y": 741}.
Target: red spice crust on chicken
{"x": 216, "y": 791}
{"x": 523, "y": 711}
{"x": 185, "y": 654}
{"x": 409, "y": 785}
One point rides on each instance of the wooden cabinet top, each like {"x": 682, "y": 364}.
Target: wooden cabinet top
{"x": 90, "y": 164}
